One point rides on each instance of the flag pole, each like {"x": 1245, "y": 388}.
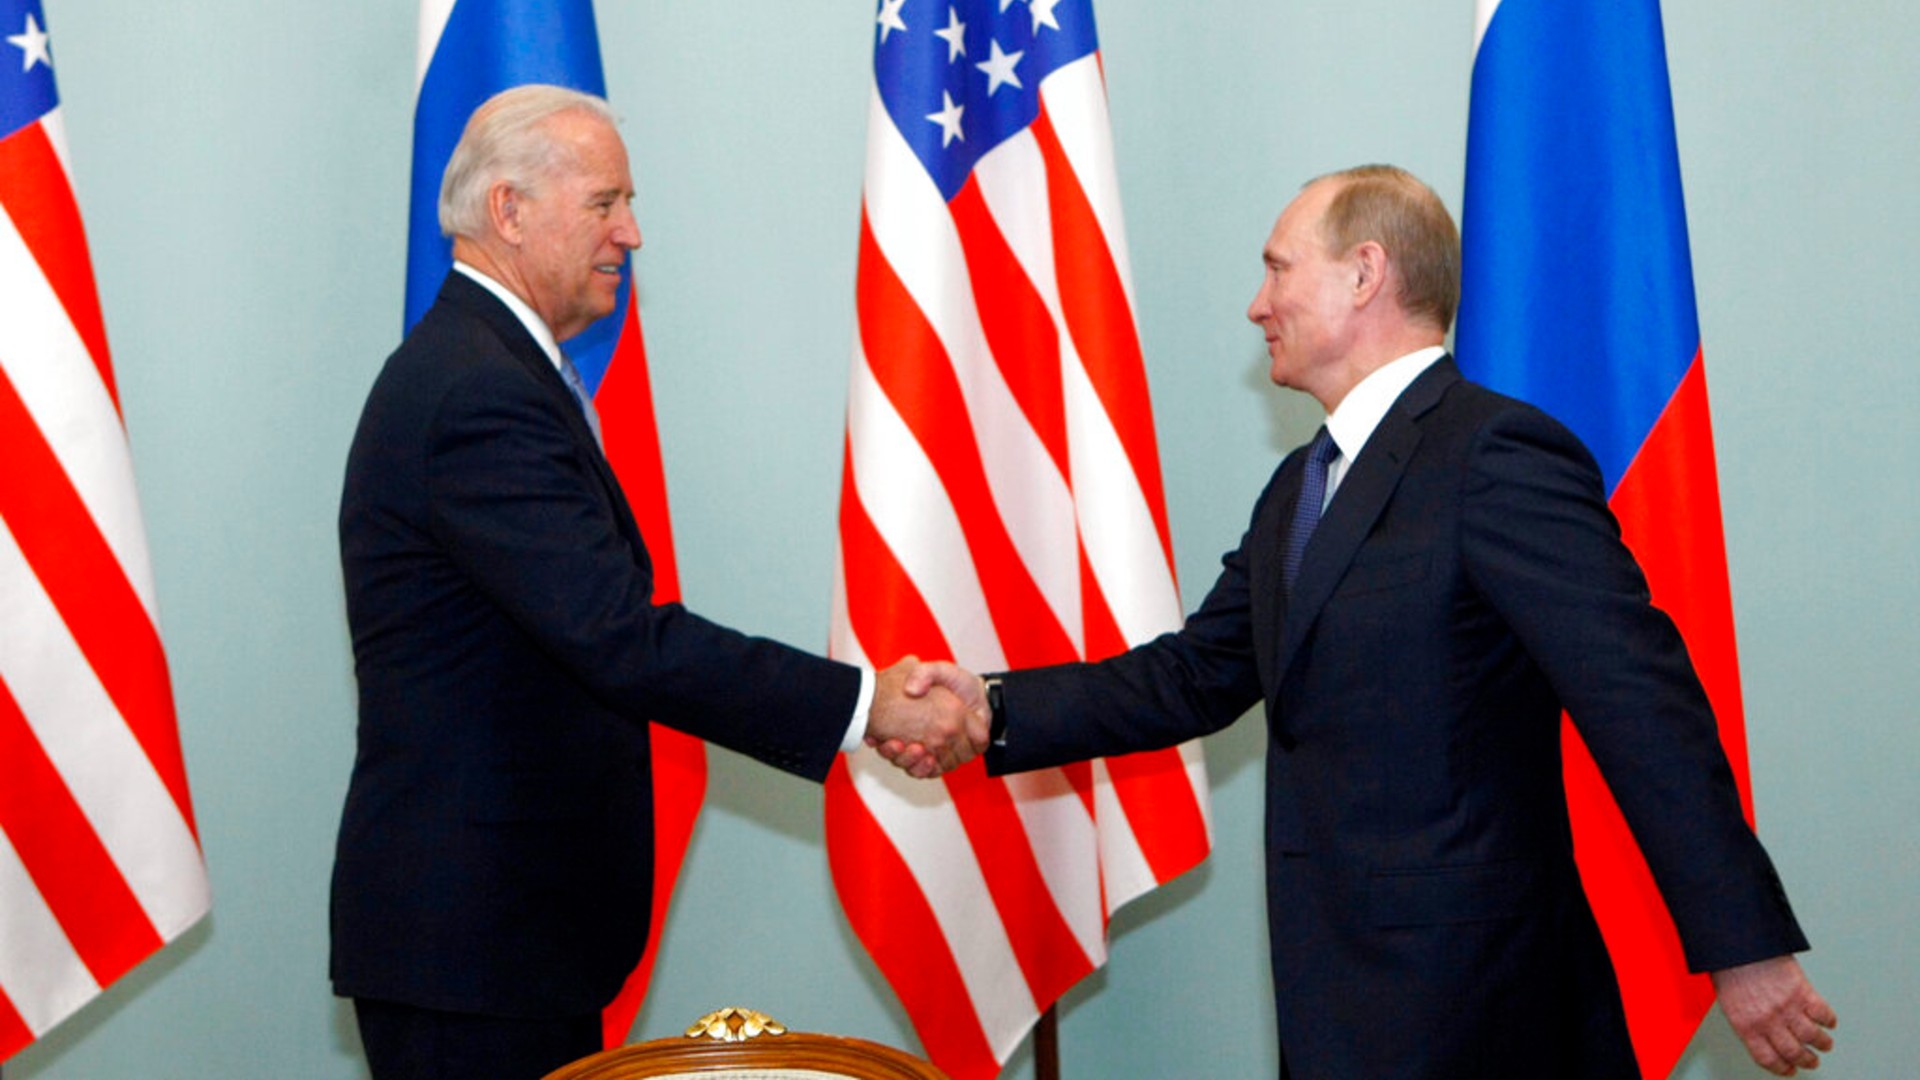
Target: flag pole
{"x": 1046, "y": 1045}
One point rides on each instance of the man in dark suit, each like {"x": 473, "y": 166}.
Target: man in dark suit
{"x": 492, "y": 884}
{"x": 1464, "y": 583}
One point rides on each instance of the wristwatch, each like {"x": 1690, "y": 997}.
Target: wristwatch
{"x": 997, "y": 723}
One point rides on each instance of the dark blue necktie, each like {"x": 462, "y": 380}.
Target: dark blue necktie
{"x": 1306, "y": 512}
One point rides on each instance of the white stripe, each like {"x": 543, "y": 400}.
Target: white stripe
{"x": 55, "y": 376}
{"x": 903, "y": 496}
{"x": 433, "y": 23}
{"x": 926, "y": 831}
{"x": 1066, "y": 848}
{"x": 915, "y": 233}
{"x": 1076, "y": 100}
{"x": 39, "y": 970}
{"x": 1482, "y": 18}
{"x": 95, "y": 754}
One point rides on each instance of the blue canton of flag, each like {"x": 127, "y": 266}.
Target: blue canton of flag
{"x": 26, "y": 87}
{"x": 960, "y": 78}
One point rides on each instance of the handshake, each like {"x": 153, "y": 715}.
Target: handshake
{"x": 928, "y": 718}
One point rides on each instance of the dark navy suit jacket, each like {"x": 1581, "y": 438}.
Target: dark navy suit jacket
{"x": 1466, "y": 585}
{"x": 496, "y": 850}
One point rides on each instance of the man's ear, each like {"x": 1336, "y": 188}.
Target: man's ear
{"x": 1370, "y": 272}
{"x": 503, "y": 211}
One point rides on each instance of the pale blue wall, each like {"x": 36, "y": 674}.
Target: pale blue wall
{"x": 243, "y": 171}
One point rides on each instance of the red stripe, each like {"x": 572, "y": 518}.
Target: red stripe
{"x": 915, "y": 373}
{"x": 884, "y": 903}
{"x": 64, "y": 857}
{"x": 625, "y": 403}
{"x": 888, "y": 615}
{"x": 91, "y": 591}
{"x": 14, "y": 1033}
{"x": 1668, "y": 504}
{"x": 1100, "y": 321}
{"x": 1020, "y": 333}
{"x": 33, "y": 188}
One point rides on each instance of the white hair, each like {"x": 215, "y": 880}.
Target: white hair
{"x": 503, "y": 142}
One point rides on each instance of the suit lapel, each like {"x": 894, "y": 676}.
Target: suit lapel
{"x": 1357, "y": 505}
{"x": 475, "y": 299}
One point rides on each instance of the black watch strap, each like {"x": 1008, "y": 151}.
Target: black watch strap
{"x": 997, "y": 726}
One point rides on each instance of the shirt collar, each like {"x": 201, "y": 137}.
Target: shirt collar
{"x": 536, "y": 326}
{"x": 1352, "y": 423}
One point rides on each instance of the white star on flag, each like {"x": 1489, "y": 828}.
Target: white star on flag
{"x": 954, "y": 36}
{"x": 889, "y": 18}
{"x": 1043, "y": 14}
{"x": 33, "y": 43}
{"x": 949, "y": 119}
{"x": 999, "y": 69}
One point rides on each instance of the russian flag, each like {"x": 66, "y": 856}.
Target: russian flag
{"x": 1578, "y": 297}
{"x": 469, "y": 51}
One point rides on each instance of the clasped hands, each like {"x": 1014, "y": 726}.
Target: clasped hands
{"x": 928, "y": 718}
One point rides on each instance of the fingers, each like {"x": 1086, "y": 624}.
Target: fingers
{"x": 1777, "y": 1013}
{"x": 928, "y": 718}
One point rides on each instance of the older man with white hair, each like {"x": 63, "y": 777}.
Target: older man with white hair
{"x": 493, "y": 879}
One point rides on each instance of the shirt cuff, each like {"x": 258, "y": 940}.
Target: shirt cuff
{"x": 857, "y": 727}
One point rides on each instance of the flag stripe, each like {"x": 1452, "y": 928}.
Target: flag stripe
{"x": 95, "y": 602}
{"x": 14, "y": 1032}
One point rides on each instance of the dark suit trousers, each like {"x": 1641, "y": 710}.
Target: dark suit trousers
{"x": 405, "y": 1042}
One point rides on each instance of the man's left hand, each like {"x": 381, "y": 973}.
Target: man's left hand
{"x": 1775, "y": 1010}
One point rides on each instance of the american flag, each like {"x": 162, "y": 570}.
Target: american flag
{"x": 1578, "y": 296}
{"x": 469, "y": 51}
{"x": 1001, "y": 505}
{"x": 100, "y": 864}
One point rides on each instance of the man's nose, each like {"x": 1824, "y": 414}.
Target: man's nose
{"x": 626, "y": 232}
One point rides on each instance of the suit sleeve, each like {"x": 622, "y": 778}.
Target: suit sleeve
{"x": 1542, "y": 547}
{"x": 517, "y": 502}
{"x": 1177, "y": 687}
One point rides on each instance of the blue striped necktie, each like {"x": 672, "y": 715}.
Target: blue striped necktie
{"x": 579, "y": 387}
{"x": 1306, "y": 512}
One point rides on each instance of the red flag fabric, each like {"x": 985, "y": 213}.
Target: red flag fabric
{"x": 100, "y": 863}
{"x": 1001, "y": 505}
